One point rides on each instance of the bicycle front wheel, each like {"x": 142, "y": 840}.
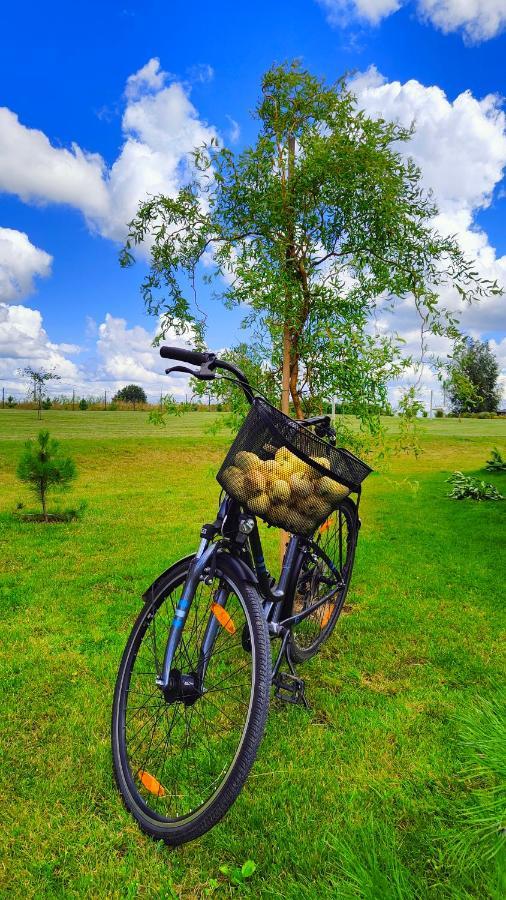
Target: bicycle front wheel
{"x": 181, "y": 759}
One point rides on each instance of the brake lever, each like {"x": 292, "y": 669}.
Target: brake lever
{"x": 204, "y": 373}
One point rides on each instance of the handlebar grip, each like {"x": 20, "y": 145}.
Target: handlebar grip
{"x": 194, "y": 357}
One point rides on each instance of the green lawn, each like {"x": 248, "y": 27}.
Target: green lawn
{"x": 389, "y": 787}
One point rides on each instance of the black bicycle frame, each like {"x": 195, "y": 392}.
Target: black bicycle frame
{"x": 250, "y": 564}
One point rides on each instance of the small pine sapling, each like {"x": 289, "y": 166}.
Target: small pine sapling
{"x": 43, "y": 467}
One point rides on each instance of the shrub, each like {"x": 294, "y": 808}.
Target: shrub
{"x": 43, "y": 467}
{"x": 496, "y": 463}
{"x": 439, "y": 414}
{"x": 464, "y": 486}
{"x": 83, "y": 404}
{"x": 424, "y": 413}
{"x": 47, "y": 403}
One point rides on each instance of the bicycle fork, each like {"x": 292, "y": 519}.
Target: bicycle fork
{"x": 165, "y": 682}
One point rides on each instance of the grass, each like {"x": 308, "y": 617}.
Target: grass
{"x": 389, "y": 787}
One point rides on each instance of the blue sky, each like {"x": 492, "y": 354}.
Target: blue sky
{"x": 81, "y": 144}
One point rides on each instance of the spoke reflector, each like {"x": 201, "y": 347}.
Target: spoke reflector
{"x": 326, "y": 525}
{"x": 151, "y": 784}
{"x": 223, "y": 618}
{"x": 329, "y": 609}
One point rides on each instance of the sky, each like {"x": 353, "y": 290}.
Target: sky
{"x": 100, "y": 105}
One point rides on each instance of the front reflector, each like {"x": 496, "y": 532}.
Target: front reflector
{"x": 223, "y": 618}
{"x": 150, "y": 783}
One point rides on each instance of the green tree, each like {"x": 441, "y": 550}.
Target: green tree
{"x": 314, "y": 227}
{"x": 38, "y": 379}
{"x": 470, "y": 378}
{"x": 132, "y": 393}
{"x": 43, "y": 467}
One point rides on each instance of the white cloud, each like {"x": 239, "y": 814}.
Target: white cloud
{"x": 126, "y": 355}
{"x": 478, "y": 20}
{"x": 20, "y": 263}
{"x": 150, "y": 77}
{"x": 120, "y": 354}
{"x": 160, "y": 126}
{"x": 234, "y": 130}
{"x": 460, "y": 147}
{"x": 202, "y": 72}
{"x": 340, "y": 12}
{"x": 24, "y": 342}
{"x": 36, "y": 171}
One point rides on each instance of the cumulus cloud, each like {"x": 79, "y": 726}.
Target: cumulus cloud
{"x": 460, "y": 147}
{"x": 477, "y": 20}
{"x": 24, "y": 342}
{"x": 118, "y": 354}
{"x": 160, "y": 127}
{"x": 20, "y": 263}
{"x": 126, "y": 355}
{"x": 36, "y": 171}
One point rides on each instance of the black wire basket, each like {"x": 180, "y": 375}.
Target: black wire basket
{"x": 286, "y": 475}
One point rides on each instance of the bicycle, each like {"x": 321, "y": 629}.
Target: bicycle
{"x": 193, "y": 686}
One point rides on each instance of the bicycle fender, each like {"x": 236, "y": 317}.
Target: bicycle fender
{"x": 237, "y": 567}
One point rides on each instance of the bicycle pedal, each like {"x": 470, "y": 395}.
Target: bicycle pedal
{"x": 290, "y": 689}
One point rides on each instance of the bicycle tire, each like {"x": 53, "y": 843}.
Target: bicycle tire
{"x": 322, "y": 632}
{"x": 179, "y": 830}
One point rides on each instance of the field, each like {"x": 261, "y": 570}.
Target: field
{"x": 388, "y": 787}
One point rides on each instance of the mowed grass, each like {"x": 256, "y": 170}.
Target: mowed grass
{"x": 389, "y": 787}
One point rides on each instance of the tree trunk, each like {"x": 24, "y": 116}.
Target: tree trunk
{"x": 285, "y": 382}
{"x": 294, "y": 391}
{"x": 43, "y": 501}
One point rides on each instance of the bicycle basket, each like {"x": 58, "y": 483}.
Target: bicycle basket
{"x": 282, "y": 472}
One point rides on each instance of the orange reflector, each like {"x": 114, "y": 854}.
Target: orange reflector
{"x": 326, "y": 615}
{"x": 326, "y": 525}
{"x": 151, "y": 784}
{"x": 223, "y": 618}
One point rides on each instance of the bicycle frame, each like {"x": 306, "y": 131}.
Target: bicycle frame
{"x": 250, "y": 564}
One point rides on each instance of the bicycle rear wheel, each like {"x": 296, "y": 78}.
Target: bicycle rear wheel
{"x": 180, "y": 760}
{"x": 325, "y": 571}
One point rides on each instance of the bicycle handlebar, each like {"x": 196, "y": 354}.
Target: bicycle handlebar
{"x": 209, "y": 362}
{"x": 194, "y": 357}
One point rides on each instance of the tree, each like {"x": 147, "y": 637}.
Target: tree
{"x": 132, "y": 393}
{"x": 471, "y": 376}
{"x": 38, "y": 379}
{"x": 43, "y": 467}
{"x": 314, "y": 227}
